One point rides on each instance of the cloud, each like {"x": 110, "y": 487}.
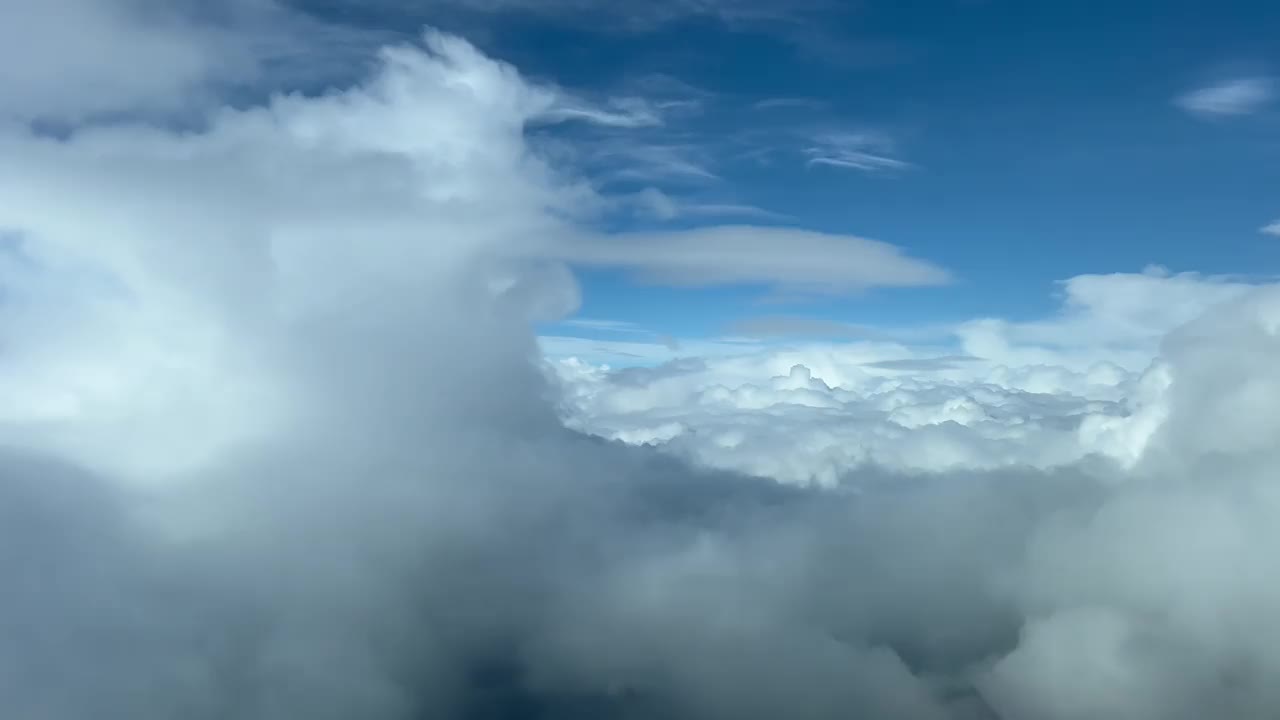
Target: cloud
{"x": 132, "y": 57}
{"x": 764, "y": 327}
{"x": 125, "y": 55}
{"x": 788, "y": 103}
{"x": 816, "y": 414}
{"x": 1046, "y": 393}
{"x": 635, "y": 160}
{"x": 772, "y": 326}
{"x": 943, "y": 362}
{"x": 1119, "y": 317}
{"x": 1272, "y": 229}
{"x": 1238, "y": 96}
{"x": 868, "y": 152}
{"x": 650, "y": 351}
{"x": 274, "y": 443}
{"x": 605, "y": 325}
{"x": 621, "y": 113}
{"x": 663, "y": 206}
{"x": 783, "y": 257}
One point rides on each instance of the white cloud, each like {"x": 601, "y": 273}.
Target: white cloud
{"x": 797, "y": 326}
{"x": 1272, "y": 229}
{"x": 817, "y": 414}
{"x": 69, "y": 61}
{"x": 1118, "y": 317}
{"x": 621, "y": 326}
{"x": 868, "y": 152}
{"x": 784, "y": 257}
{"x": 1238, "y": 96}
{"x": 789, "y": 103}
{"x": 71, "y": 57}
{"x": 635, "y": 160}
{"x": 274, "y": 446}
{"x": 1045, "y": 393}
{"x": 654, "y": 202}
{"x": 619, "y": 353}
{"x": 619, "y": 112}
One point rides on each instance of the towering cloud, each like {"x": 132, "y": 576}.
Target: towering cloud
{"x": 277, "y": 444}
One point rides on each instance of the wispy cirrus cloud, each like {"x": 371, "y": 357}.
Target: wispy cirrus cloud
{"x": 654, "y": 160}
{"x": 789, "y": 103}
{"x": 1234, "y": 97}
{"x": 626, "y": 112}
{"x": 655, "y": 203}
{"x": 793, "y": 327}
{"x": 604, "y": 325}
{"x": 865, "y": 151}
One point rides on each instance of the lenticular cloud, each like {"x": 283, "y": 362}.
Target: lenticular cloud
{"x": 277, "y": 444}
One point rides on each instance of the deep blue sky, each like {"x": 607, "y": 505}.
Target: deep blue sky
{"x": 1042, "y": 139}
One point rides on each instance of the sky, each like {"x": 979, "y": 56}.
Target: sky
{"x": 697, "y": 360}
{"x": 1014, "y": 144}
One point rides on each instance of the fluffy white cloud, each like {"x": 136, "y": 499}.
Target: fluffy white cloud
{"x": 1238, "y": 96}
{"x": 1046, "y": 393}
{"x": 773, "y": 415}
{"x": 1117, "y": 318}
{"x": 275, "y": 445}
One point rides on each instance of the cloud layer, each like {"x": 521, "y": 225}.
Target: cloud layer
{"x": 277, "y": 444}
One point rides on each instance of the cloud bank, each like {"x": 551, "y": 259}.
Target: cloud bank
{"x": 277, "y": 444}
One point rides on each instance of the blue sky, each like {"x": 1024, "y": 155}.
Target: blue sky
{"x": 1015, "y": 144}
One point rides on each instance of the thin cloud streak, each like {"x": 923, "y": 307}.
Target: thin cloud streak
{"x": 866, "y": 152}
{"x": 1236, "y": 97}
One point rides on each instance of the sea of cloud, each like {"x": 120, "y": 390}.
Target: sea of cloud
{"x": 276, "y": 441}
{"x": 1087, "y": 384}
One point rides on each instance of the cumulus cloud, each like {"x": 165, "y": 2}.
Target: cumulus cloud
{"x": 1084, "y": 382}
{"x": 1238, "y": 96}
{"x": 1271, "y": 229}
{"x": 276, "y": 444}
{"x": 1119, "y": 317}
{"x": 816, "y": 415}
